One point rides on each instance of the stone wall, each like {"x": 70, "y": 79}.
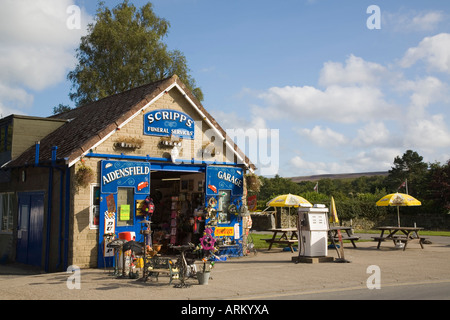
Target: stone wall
{"x": 437, "y": 222}
{"x": 262, "y": 221}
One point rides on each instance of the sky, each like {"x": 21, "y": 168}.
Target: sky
{"x": 327, "y": 86}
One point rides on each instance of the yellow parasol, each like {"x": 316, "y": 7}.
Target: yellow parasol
{"x": 289, "y": 200}
{"x": 333, "y": 212}
{"x": 334, "y": 219}
{"x": 398, "y": 200}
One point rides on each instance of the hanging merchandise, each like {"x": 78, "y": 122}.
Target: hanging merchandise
{"x": 197, "y": 221}
{"x": 211, "y": 211}
{"x": 232, "y": 209}
{"x": 173, "y": 221}
{"x": 148, "y": 207}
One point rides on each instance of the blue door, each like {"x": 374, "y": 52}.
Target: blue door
{"x": 30, "y": 228}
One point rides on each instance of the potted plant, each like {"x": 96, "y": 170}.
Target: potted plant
{"x": 129, "y": 143}
{"x": 84, "y": 175}
{"x": 204, "y": 274}
{"x": 205, "y": 249}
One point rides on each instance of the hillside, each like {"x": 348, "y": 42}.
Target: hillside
{"x": 338, "y": 176}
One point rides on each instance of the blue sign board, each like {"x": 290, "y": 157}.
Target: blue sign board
{"x": 124, "y": 174}
{"x": 168, "y": 123}
{"x": 224, "y": 178}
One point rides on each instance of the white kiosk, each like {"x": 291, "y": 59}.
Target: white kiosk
{"x": 313, "y": 234}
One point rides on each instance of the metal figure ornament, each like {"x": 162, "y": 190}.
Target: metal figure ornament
{"x": 207, "y": 241}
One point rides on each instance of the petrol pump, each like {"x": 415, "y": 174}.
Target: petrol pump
{"x": 313, "y": 234}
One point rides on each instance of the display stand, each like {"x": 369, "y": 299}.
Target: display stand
{"x": 182, "y": 264}
{"x": 116, "y": 244}
{"x": 173, "y": 220}
{"x": 146, "y": 231}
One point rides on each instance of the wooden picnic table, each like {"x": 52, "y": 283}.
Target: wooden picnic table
{"x": 333, "y": 234}
{"x": 399, "y": 235}
{"x": 284, "y": 238}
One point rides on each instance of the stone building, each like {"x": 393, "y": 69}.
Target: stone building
{"x": 74, "y": 175}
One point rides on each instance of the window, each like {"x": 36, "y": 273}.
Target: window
{"x": 224, "y": 202}
{"x": 125, "y": 199}
{"x": 94, "y": 208}
{"x": 5, "y": 138}
{"x": 6, "y": 212}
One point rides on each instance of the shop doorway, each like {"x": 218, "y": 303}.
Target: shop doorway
{"x": 178, "y": 199}
{"x": 30, "y": 228}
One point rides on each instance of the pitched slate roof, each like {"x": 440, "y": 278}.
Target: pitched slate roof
{"x": 89, "y": 124}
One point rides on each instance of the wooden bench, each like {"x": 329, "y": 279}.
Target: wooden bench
{"x": 346, "y": 234}
{"x": 402, "y": 239}
{"x": 157, "y": 265}
{"x": 281, "y": 241}
{"x": 352, "y": 239}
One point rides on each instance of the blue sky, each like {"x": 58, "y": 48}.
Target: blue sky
{"x": 343, "y": 97}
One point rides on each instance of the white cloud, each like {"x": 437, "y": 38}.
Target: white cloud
{"x": 303, "y": 167}
{"x": 356, "y": 71}
{"x": 375, "y": 159}
{"x": 373, "y": 134}
{"x": 413, "y": 21}
{"x": 335, "y": 103}
{"x": 33, "y": 67}
{"x": 12, "y": 100}
{"x": 428, "y": 133}
{"x": 231, "y": 120}
{"x": 433, "y": 51}
{"x": 37, "y": 47}
{"x": 427, "y": 20}
{"x": 376, "y": 128}
{"x": 424, "y": 93}
{"x": 352, "y": 92}
{"x": 324, "y": 137}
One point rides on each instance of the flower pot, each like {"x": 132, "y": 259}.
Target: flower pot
{"x": 203, "y": 277}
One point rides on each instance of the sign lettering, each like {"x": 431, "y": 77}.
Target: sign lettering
{"x": 224, "y": 178}
{"x": 128, "y": 174}
{"x": 224, "y": 231}
{"x": 168, "y": 123}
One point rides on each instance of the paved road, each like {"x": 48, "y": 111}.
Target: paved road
{"x": 439, "y": 290}
{"x": 271, "y": 275}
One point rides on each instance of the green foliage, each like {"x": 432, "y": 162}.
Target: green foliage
{"x": 61, "y": 108}
{"x": 356, "y": 198}
{"x": 122, "y": 50}
{"x": 439, "y": 185}
{"x": 409, "y": 167}
{"x": 272, "y": 187}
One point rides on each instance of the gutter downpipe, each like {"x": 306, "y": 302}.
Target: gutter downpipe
{"x": 49, "y": 212}
{"x": 66, "y": 219}
{"x": 36, "y": 153}
{"x": 60, "y": 238}
{"x": 49, "y": 209}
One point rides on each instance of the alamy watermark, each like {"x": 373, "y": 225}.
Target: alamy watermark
{"x": 241, "y": 146}
{"x": 374, "y": 280}
{"x": 374, "y": 20}
{"x": 74, "y": 280}
{"x": 73, "y": 21}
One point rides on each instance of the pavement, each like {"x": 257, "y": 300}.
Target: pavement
{"x": 266, "y": 276}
